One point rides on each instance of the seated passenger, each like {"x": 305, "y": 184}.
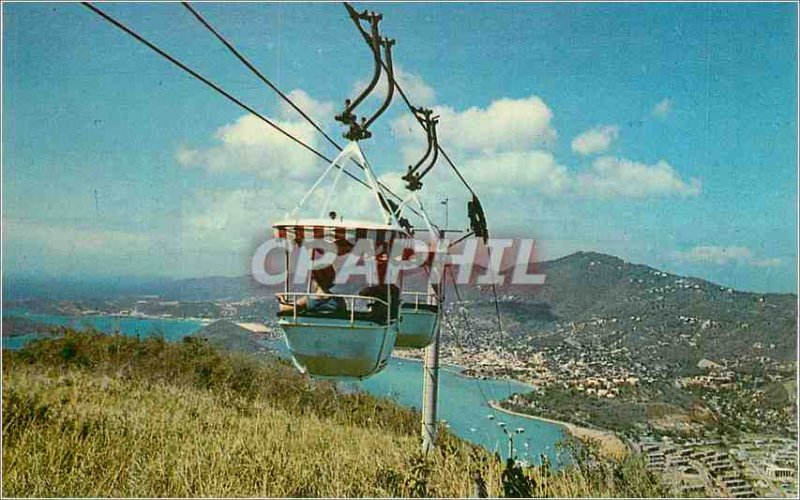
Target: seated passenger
{"x": 322, "y": 301}
{"x": 390, "y": 293}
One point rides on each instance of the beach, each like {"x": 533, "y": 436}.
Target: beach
{"x": 610, "y": 444}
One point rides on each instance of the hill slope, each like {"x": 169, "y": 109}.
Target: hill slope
{"x": 654, "y": 313}
{"x": 95, "y": 415}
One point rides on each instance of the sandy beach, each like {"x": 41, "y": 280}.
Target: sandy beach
{"x": 610, "y": 444}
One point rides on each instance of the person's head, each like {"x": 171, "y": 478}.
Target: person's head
{"x": 324, "y": 277}
{"x": 382, "y": 266}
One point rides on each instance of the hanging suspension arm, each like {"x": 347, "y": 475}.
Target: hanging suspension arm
{"x": 374, "y": 42}
{"x": 434, "y": 140}
{"x": 359, "y": 129}
{"x": 423, "y": 116}
{"x": 387, "y": 50}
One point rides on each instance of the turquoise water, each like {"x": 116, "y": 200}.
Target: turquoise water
{"x": 462, "y": 400}
{"x": 462, "y": 403}
{"x": 170, "y": 329}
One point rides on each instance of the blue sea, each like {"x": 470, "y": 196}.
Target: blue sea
{"x": 462, "y": 400}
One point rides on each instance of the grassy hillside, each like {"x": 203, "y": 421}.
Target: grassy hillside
{"x": 95, "y": 415}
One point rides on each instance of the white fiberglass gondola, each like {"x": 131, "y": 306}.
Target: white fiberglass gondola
{"x": 356, "y": 342}
{"x": 419, "y": 311}
{"x": 419, "y": 319}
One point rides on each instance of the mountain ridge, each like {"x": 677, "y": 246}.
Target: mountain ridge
{"x": 217, "y": 287}
{"x": 178, "y": 288}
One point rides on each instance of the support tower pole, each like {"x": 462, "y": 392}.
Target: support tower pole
{"x": 430, "y": 371}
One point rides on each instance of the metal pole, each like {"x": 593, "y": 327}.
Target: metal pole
{"x": 430, "y": 374}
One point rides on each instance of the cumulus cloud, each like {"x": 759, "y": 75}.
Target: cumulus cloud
{"x": 505, "y": 145}
{"x": 529, "y": 169}
{"x": 501, "y": 148}
{"x": 236, "y": 214}
{"x": 504, "y": 125}
{"x": 722, "y": 255}
{"x": 608, "y": 177}
{"x": 617, "y": 177}
{"x": 662, "y": 108}
{"x": 595, "y": 140}
{"x": 251, "y": 145}
{"x": 321, "y": 111}
{"x": 235, "y": 218}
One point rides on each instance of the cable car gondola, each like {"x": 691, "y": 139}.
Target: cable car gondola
{"x": 420, "y": 314}
{"x": 419, "y": 311}
{"x": 356, "y": 341}
{"x": 419, "y": 320}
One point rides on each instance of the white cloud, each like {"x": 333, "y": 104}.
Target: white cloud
{"x": 595, "y": 140}
{"x": 722, "y": 255}
{"x": 64, "y": 240}
{"x": 502, "y": 150}
{"x": 539, "y": 171}
{"x": 504, "y": 125}
{"x": 527, "y": 169}
{"x": 236, "y": 219}
{"x": 322, "y": 112}
{"x": 235, "y": 215}
{"x": 769, "y": 262}
{"x": 714, "y": 254}
{"x": 618, "y": 177}
{"x": 415, "y": 87}
{"x": 663, "y": 108}
{"x": 502, "y": 146}
{"x": 250, "y": 145}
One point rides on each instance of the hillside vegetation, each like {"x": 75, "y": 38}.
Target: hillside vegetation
{"x": 87, "y": 414}
{"x": 664, "y": 319}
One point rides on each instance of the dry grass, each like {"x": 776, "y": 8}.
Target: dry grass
{"x": 93, "y": 415}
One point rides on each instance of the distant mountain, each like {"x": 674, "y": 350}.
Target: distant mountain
{"x": 605, "y": 295}
{"x": 187, "y": 290}
{"x": 213, "y": 288}
{"x": 645, "y": 306}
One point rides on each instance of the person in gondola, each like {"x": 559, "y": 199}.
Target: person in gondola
{"x": 381, "y": 291}
{"x": 322, "y": 301}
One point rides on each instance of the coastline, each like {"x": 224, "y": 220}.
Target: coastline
{"x": 448, "y": 367}
{"x": 99, "y": 314}
{"x": 458, "y": 370}
{"x": 610, "y": 444}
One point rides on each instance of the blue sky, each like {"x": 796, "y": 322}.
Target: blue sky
{"x": 665, "y": 134}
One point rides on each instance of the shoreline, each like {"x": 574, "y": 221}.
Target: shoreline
{"x": 459, "y": 369}
{"x": 610, "y": 444}
{"x": 100, "y": 314}
{"x": 448, "y": 367}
